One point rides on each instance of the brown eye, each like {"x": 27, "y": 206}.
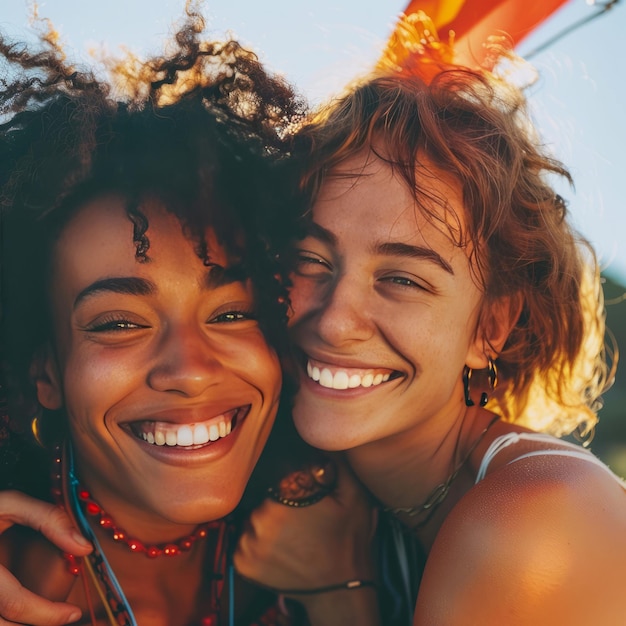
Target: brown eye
{"x": 114, "y": 325}
{"x": 308, "y": 264}
{"x": 229, "y": 317}
{"x": 405, "y": 282}
{"x": 401, "y": 280}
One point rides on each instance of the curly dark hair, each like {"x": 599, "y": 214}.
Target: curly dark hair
{"x": 203, "y": 129}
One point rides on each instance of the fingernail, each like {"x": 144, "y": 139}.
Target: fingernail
{"x": 74, "y": 616}
{"x": 78, "y": 538}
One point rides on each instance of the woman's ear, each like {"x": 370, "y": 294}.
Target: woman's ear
{"x": 496, "y": 320}
{"x": 45, "y": 375}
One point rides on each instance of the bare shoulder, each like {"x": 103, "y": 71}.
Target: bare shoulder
{"x": 540, "y": 541}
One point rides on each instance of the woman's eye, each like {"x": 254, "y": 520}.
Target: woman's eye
{"x": 307, "y": 264}
{"x": 403, "y": 281}
{"x": 114, "y": 325}
{"x": 400, "y": 280}
{"x": 228, "y": 317}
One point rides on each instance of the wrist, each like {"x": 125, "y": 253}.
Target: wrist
{"x": 348, "y": 585}
{"x": 355, "y": 605}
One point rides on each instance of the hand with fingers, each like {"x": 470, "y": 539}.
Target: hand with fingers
{"x": 19, "y": 605}
{"x": 315, "y": 548}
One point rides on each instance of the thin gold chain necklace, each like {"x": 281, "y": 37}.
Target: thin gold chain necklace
{"x": 428, "y": 507}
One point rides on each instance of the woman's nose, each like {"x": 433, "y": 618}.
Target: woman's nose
{"x": 344, "y": 313}
{"x": 186, "y": 364}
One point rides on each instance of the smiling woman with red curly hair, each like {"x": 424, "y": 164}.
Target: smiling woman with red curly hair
{"x": 449, "y": 327}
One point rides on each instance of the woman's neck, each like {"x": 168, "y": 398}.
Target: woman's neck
{"x": 161, "y": 565}
{"x": 427, "y": 468}
{"x": 166, "y": 591}
{"x": 169, "y": 589}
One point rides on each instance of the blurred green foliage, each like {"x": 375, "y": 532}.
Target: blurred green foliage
{"x": 610, "y": 438}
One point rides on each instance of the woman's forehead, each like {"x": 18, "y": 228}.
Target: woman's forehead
{"x": 111, "y": 215}
{"x": 99, "y": 242}
{"x": 369, "y": 182}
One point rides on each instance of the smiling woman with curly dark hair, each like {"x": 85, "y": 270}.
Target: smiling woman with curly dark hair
{"x": 143, "y": 312}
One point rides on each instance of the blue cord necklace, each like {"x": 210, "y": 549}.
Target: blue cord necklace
{"x": 111, "y": 593}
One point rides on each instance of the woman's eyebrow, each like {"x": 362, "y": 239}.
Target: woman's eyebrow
{"x": 391, "y": 248}
{"x": 128, "y": 285}
{"x": 396, "y": 248}
{"x": 319, "y": 232}
{"x": 218, "y": 276}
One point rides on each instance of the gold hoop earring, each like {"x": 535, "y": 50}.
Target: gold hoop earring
{"x": 492, "y": 373}
{"x": 492, "y": 378}
{"x": 35, "y": 428}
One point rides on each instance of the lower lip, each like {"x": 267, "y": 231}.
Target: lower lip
{"x": 177, "y": 455}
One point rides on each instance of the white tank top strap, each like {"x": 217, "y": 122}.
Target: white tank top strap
{"x": 567, "y": 449}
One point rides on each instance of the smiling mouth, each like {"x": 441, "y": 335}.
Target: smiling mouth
{"x": 348, "y": 378}
{"x": 189, "y": 436}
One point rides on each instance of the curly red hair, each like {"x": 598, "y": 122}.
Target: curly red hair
{"x": 520, "y": 241}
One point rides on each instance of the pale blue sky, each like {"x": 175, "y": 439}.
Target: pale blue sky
{"x": 579, "y": 102}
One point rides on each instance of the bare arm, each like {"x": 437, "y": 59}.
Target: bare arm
{"x": 18, "y": 605}
{"x": 537, "y": 545}
{"x": 327, "y": 543}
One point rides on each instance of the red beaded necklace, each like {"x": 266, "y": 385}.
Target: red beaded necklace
{"x": 115, "y": 604}
{"x": 221, "y": 530}
{"x": 105, "y": 521}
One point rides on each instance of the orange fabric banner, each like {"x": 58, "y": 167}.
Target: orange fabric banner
{"x": 473, "y": 21}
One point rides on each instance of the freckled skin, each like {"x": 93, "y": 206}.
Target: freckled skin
{"x": 355, "y": 306}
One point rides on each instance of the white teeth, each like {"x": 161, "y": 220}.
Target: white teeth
{"x": 185, "y": 435}
{"x": 342, "y": 380}
{"x": 337, "y": 381}
{"x": 200, "y": 434}
{"x": 355, "y": 381}
{"x": 214, "y": 432}
{"x": 326, "y": 378}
